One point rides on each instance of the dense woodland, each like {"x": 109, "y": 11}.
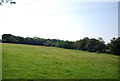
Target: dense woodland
{"x": 85, "y": 44}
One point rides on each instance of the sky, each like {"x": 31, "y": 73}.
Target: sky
{"x": 60, "y": 19}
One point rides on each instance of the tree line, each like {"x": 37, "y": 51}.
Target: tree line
{"x": 85, "y": 44}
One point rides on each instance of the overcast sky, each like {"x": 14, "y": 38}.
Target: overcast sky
{"x": 60, "y": 19}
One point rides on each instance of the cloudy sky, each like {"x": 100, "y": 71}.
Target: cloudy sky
{"x": 60, "y": 19}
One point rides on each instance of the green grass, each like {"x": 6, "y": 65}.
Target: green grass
{"x": 40, "y": 62}
{"x": 0, "y": 61}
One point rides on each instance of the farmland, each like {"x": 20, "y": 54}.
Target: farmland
{"x": 40, "y": 62}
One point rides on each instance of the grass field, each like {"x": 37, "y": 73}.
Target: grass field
{"x": 40, "y": 62}
{"x": 0, "y": 62}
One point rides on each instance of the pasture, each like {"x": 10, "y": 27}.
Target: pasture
{"x": 40, "y": 62}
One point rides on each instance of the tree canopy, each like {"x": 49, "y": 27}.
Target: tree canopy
{"x": 85, "y": 44}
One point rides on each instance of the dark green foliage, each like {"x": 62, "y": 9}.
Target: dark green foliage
{"x": 95, "y": 45}
{"x": 28, "y": 40}
{"x": 0, "y": 40}
{"x": 61, "y": 44}
{"x": 81, "y": 44}
{"x": 86, "y": 44}
{"x": 91, "y": 45}
{"x": 20, "y": 39}
{"x": 65, "y": 44}
{"x": 114, "y": 46}
{"x": 49, "y": 43}
{"x": 8, "y": 38}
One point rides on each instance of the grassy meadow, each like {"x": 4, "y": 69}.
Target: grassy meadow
{"x": 0, "y": 61}
{"x": 40, "y": 62}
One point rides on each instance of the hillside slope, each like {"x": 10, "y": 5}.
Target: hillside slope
{"x": 40, "y": 62}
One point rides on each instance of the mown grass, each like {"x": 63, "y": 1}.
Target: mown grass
{"x": 0, "y": 61}
{"x": 40, "y": 62}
